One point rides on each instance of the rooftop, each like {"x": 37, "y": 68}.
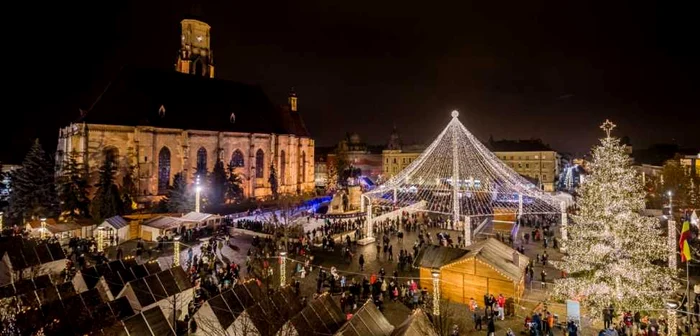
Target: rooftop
{"x": 168, "y": 99}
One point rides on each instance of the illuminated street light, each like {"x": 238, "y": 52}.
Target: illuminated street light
{"x": 100, "y": 239}
{"x": 176, "y": 251}
{"x": 198, "y": 191}
{"x": 43, "y": 227}
{"x": 283, "y": 268}
{"x": 436, "y": 293}
{"x": 672, "y": 320}
{"x": 672, "y": 247}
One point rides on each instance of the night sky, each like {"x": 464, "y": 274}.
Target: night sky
{"x": 524, "y": 69}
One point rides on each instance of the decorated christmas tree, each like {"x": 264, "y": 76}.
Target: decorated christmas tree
{"x": 33, "y": 189}
{"x": 615, "y": 256}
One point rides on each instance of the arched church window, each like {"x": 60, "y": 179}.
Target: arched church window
{"x": 237, "y": 159}
{"x": 111, "y": 154}
{"x": 283, "y": 167}
{"x": 201, "y": 161}
{"x": 302, "y": 167}
{"x": 163, "y": 170}
{"x": 259, "y": 163}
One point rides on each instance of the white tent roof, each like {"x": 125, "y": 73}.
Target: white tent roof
{"x": 457, "y": 175}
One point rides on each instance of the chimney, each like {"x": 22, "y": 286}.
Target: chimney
{"x": 516, "y": 258}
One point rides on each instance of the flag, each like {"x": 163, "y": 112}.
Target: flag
{"x": 683, "y": 243}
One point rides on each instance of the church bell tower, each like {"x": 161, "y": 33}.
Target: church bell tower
{"x": 195, "y": 55}
{"x": 292, "y": 100}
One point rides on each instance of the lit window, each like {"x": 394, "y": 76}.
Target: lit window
{"x": 199, "y": 38}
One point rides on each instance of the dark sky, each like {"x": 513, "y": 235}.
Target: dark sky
{"x": 521, "y": 69}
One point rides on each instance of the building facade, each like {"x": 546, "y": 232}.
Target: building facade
{"x": 157, "y": 124}
{"x": 530, "y": 158}
{"x": 692, "y": 164}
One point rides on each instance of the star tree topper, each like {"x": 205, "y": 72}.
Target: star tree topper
{"x": 607, "y": 126}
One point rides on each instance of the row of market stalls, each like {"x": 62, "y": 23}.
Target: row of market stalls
{"x": 23, "y": 258}
{"x": 121, "y": 297}
{"x": 117, "y": 229}
{"x": 246, "y": 310}
{"x": 149, "y": 228}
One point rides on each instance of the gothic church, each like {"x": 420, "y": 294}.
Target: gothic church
{"x": 161, "y": 123}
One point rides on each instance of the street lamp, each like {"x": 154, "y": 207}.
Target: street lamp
{"x": 100, "y": 239}
{"x": 672, "y": 321}
{"x": 176, "y": 251}
{"x": 672, "y": 248}
{"x": 436, "y": 292}
{"x": 1, "y": 215}
{"x": 43, "y": 227}
{"x": 197, "y": 192}
{"x": 283, "y": 268}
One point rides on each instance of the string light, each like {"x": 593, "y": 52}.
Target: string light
{"x": 459, "y": 177}
{"x": 612, "y": 249}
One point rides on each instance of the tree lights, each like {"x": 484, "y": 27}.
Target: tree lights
{"x": 457, "y": 176}
{"x": 612, "y": 249}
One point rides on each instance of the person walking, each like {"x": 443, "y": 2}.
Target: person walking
{"x": 491, "y": 328}
{"x": 362, "y": 262}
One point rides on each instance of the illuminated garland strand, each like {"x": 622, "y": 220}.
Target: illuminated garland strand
{"x": 484, "y": 181}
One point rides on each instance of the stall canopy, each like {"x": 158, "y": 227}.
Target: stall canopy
{"x": 155, "y": 287}
{"x": 149, "y": 322}
{"x": 418, "y": 324}
{"x": 367, "y": 321}
{"x": 320, "y": 317}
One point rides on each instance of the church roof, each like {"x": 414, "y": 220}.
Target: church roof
{"x": 169, "y": 99}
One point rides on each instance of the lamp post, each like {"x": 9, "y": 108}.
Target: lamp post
{"x": 672, "y": 248}
{"x": 100, "y": 239}
{"x": 672, "y": 320}
{"x": 176, "y": 251}
{"x": 43, "y": 227}
{"x": 1, "y": 215}
{"x": 197, "y": 192}
{"x": 283, "y": 268}
{"x": 436, "y": 293}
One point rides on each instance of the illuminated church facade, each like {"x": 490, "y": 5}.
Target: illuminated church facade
{"x": 160, "y": 123}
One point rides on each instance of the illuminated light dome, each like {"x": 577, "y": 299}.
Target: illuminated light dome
{"x": 459, "y": 177}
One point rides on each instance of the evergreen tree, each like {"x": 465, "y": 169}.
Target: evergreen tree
{"x": 217, "y": 185}
{"x": 342, "y": 164}
{"x": 676, "y": 180}
{"x": 107, "y": 201}
{"x": 73, "y": 188}
{"x": 129, "y": 189}
{"x": 331, "y": 177}
{"x": 180, "y": 198}
{"x": 233, "y": 184}
{"x": 615, "y": 256}
{"x": 273, "y": 181}
{"x": 33, "y": 190}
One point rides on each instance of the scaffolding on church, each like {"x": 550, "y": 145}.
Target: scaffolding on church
{"x": 459, "y": 177}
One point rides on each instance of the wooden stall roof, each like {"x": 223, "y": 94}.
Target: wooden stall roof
{"x": 499, "y": 256}
{"x": 417, "y": 324}
{"x": 433, "y": 256}
{"x": 320, "y": 316}
{"x": 367, "y": 321}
